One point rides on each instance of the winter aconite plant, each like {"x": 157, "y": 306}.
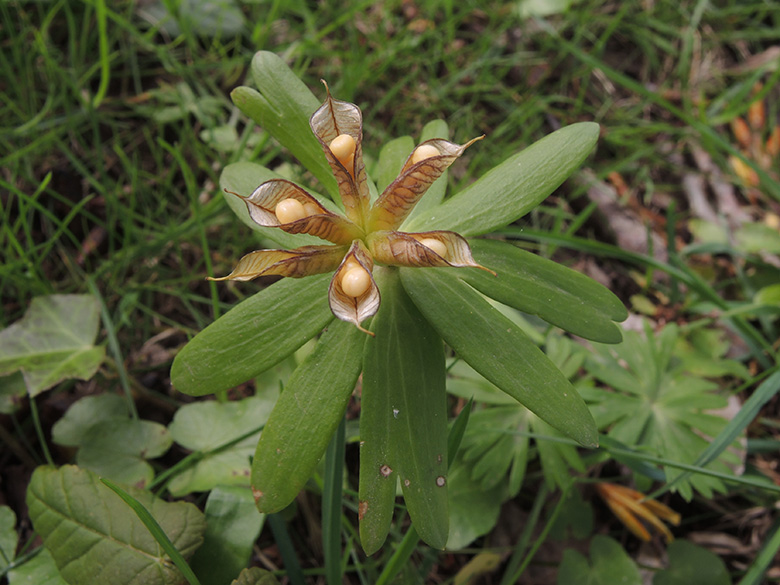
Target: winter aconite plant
{"x": 431, "y": 283}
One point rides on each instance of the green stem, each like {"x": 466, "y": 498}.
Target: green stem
{"x": 39, "y": 432}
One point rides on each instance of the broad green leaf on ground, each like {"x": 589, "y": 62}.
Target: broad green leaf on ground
{"x": 38, "y": 570}
{"x": 8, "y": 537}
{"x": 473, "y": 509}
{"x": 609, "y": 565}
{"x": 757, "y": 238}
{"x": 243, "y": 178}
{"x": 537, "y": 286}
{"x": 255, "y": 576}
{"x": 83, "y": 414}
{"x": 513, "y": 188}
{"x": 232, "y": 526}
{"x": 575, "y": 519}
{"x": 111, "y": 443}
{"x": 205, "y": 428}
{"x": 253, "y": 336}
{"x": 12, "y": 392}
{"x": 118, "y": 449}
{"x": 83, "y": 524}
{"x": 692, "y": 565}
{"x": 306, "y": 416}
{"x": 403, "y": 425}
{"x": 282, "y": 107}
{"x": 54, "y": 341}
{"x": 654, "y": 403}
{"x": 703, "y": 353}
{"x": 496, "y": 348}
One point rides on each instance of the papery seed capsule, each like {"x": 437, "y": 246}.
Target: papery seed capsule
{"x": 355, "y": 281}
{"x": 343, "y": 148}
{"x": 289, "y": 210}
{"x": 435, "y": 245}
{"x": 424, "y": 152}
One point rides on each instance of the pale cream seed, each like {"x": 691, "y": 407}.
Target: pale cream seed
{"x": 435, "y": 245}
{"x": 289, "y": 210}
{"x": 355, "y": 281}
{"x": 424, "y": 152}
{"x": 343, "y": 148}
{"x": 311, "y": 209}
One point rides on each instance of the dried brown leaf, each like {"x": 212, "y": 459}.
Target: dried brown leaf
{"x": 399, "y": 198}
{"x": 297, "y": 263}
{"x": 354, "y": 309}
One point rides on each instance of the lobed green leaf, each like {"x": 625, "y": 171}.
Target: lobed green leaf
{"x": 306, "y": 416}
{"x": 253, "y": 336}
{"x": 499, "y": 350}
{"x": 513, "y": 188}
{"x": 83, "y": 523}
{"x": 557, "y": 294}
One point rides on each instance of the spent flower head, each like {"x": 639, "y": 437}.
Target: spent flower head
{"x": 369, "y": 233}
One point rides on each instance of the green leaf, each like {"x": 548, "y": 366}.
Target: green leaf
{"x": 692, "y": 565}
{"x": 243, "y": 178}
{"x": 473, "y": 509}
{"x": 232, "y": 526}
{"x": 12, "y": 391}
{"x": 538, "y": 286}
{"x": 83, "y": 414}
{"x": 499, "y": 350}
{"x": 83, "y": 523}
{"x": 391, "y": 159}
{"x": 118, "y": 449}
{"x": 282, "y": 108}
{"x": 255, "y": 576}
{"x": 513, "y": 188}
{"x": 610, "y": 565}
{"x": 306, "y": 416}
{"x": 8, "y": 537}
{"x": 404, "y": 404}
{"x": 54, "y": 341}
{"x": 204, "y": 428}
{"x": 38, "y": 570}
{"x": 253, "y": 336}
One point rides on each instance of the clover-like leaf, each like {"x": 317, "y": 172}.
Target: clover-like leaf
{"x": 206, "y": 428}
{"x": 610, "y": 564}
{"x": 422, "y": 167}
{"x": 83, "y": 524}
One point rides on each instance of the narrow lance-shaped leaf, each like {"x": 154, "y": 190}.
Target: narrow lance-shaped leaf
{"x": 306, "y": 416}
{"x": 282, "y": 108}
{"x": 496, "y": 348}
{"x": 404, "y": 376}
{"x": 423, "y": 166}
{"x": 421, "y": 249}
{"x": 253, "y": 336}
{"x": 280, "y": 203}
{"x": 353, "y": 295}
{"x": 514, "y": 187}
{"x": 538, "y": 286}
{"x": 334, "y": 119}
{"x": 296, "y": 263}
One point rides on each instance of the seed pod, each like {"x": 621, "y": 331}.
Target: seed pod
{"x": 353, "y": 295}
